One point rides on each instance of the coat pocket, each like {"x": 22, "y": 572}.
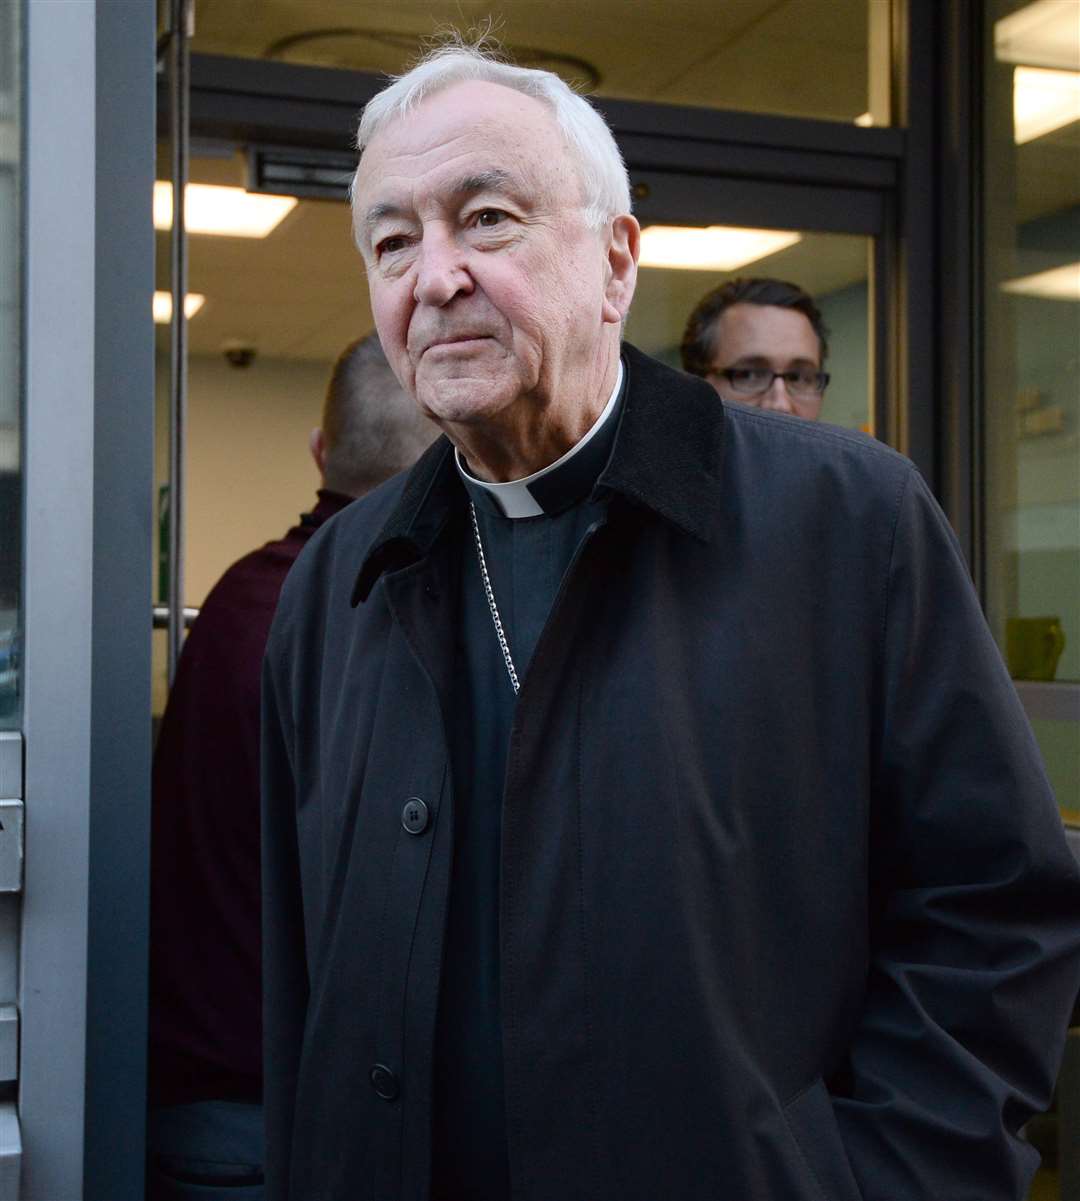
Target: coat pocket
{"x": 812, "y": 1125}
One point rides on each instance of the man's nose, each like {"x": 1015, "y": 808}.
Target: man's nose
{"x": 441, "y": 273}
{"x": 777, "y": 398}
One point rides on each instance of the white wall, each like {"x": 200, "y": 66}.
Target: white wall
{"x": 249, "y": 472}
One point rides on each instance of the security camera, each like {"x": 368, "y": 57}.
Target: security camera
{"x": 237, "y": 353}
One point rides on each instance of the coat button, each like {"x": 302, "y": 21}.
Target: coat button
{"x": 384, "y": 1082}
{"x": 414, "y": 816}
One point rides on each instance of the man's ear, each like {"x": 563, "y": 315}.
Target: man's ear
{"x": 317, "y": 446}
{"x": 624, "y": 246}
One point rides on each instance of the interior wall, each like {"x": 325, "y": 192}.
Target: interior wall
{"x": 249, "y": 470}
{"x": 846, "y": 314}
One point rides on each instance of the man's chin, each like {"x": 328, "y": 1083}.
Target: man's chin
{"x": 462, "y": 401}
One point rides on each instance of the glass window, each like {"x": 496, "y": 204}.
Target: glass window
{"x": 1032, "y": 365}
{"x": 10, "y": 370}
{"x": 807, "y": 58}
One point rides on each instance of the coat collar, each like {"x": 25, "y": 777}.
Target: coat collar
{"x": 667, "y": 457}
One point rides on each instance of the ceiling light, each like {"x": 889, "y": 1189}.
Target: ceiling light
{"x": 864, "y": 119}
{"x": 229, "y": 212}
{"x": 1043, "y": 34}
{"x": 1043, "y": 101}
{"x": 715, "y": 248}
{"x": 193, "y": 301}
{"x": 1059, "y": 283}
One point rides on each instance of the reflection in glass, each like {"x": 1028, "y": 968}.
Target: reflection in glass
{"x": 10, "y": 371}
{"x": 1032, "y": 365}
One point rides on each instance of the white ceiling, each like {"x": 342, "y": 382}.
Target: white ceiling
{"x": 298, "y": 294}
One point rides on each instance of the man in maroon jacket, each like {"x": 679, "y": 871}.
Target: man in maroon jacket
{"x": 205, "y": 1086}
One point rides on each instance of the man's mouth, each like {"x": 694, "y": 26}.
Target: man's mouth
{"x": 455, "y": 341}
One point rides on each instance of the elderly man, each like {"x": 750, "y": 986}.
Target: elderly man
{"x": 760, "y": 342}
{"x": 648, "y": 815}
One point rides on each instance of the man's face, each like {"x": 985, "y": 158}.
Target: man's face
{"x": 490, "y": 293}
{"x": 766, "y": 338}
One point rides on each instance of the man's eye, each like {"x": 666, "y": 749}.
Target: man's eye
{"x": 487, "y": 218}
{"x": 747, "y": 375}
{"x": 390, "y": 245}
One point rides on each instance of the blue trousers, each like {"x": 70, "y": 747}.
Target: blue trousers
{"x": 205, "y": 1151}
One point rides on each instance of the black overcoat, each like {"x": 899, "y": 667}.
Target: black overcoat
{"x": 786, "y": 912}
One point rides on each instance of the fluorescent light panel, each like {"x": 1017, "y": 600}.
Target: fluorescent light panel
{"x": 193, "y": 301}
{"x": 1059, "y": 283}
{"x": 1043, "y": 34}
{"x": 226, "y": 212}
{"x": 1043, "y": 100}
{"x": 714, "y": 248}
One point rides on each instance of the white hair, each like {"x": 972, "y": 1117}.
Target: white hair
{"x": 604, "y": 182}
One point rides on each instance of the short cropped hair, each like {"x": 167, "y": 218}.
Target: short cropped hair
{"x": 698, "y": 347}
{"x": 605, "y": 185}
{"x": 372, "y": 428}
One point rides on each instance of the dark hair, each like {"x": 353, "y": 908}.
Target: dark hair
{"x": 699, "y": 344}
{"x": 371, "y": 426}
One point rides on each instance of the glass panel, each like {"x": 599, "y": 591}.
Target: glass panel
{"x": 808, "y": 58}
{"x": 832, "y": 268}
{"x": 1032, "y": 367}
{"x": 10, "y": 369}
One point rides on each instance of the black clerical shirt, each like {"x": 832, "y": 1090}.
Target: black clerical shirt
{"x": 527, "y": 558}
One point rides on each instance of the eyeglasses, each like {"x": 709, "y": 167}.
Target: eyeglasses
{"x": 753, "y": 381}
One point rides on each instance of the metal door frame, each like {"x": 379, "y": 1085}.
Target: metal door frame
{"x": 87, "y": 404}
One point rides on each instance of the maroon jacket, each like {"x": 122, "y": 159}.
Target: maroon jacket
{"x": 205, "y": 953}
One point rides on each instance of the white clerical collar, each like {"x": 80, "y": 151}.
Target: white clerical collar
{"x": 560, "y": 483}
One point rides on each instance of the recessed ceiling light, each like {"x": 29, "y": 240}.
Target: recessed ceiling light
{"x": 864, "y": 119}
{"x": 227, "y": 212}
{"x": 1043, "y": 34}
{"x": 714, "y": 248}
{"x": 1059, "y": 283}
{"x": 1043, "y": 100}
{"x": 193, "y": 301}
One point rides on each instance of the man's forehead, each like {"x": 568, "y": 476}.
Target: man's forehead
{"x": 466, "y": 137}
{"x": 489, "y": 110}
{"x": 763, "y": 330}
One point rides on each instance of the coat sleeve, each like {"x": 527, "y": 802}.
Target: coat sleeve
{"x": 975, "y": 926}
{"x": 285, "y": 979}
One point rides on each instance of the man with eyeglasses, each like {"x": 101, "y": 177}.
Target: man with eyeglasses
{"x": 760, "y": 342}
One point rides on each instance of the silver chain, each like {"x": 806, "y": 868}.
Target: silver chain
{"x": 504, "y": 646}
